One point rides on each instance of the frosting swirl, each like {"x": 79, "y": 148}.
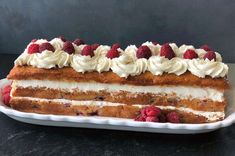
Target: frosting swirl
{"x": 125, "y": 65}
{"x": 155, "y": 49}
{"x": 201, "y": 68}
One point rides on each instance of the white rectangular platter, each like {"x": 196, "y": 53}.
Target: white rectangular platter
{"x": 125, "y": 124}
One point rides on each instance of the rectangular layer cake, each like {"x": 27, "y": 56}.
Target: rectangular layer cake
{"x": 50, "y": 78}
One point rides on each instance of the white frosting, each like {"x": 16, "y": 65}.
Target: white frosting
{"x": 210, "y": 116}
{"x": 201, "y": 68}
{"x": 127, "y": 63}
{"x": 183, "y": 92}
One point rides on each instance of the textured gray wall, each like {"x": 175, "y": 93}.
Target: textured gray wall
{"x": 126, "y": 21}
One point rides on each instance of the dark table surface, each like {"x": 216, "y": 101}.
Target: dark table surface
{"x": 18, "y": 138}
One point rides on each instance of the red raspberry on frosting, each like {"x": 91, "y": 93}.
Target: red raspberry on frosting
{"x": 87, "y": 51}
{"x": 205, "y": 47}
{"x": 68, "y": 47}
{"x": 78, "y": 42}
{"x": 116, "y": 46}
{"x": 190, "y": 54}
{"x": 46, "y": 46}
{"x": 62, "y": 38}
{"x": 112, "y": 53}
{"x": 33, "y": 48}
{"x": 143, "y": 52}
{"x": 173, "y": 117}
{"x": 210, "y": 55}
{"x": 167, "y": 51}
{"x": 95, "y": 46}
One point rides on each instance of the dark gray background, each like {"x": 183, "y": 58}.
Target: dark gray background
{"x": 126, "y": 21}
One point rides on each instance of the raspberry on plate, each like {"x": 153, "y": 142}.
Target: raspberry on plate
{"x": 173, "y": 117}
{"x": 87, "y": 51}
{"x": 143, "y": 52}
{"x": 46, "y": 46}
{"x": 68, "y": 47}
{"x": 167, "y": 51}
{"x": 190, "y": 54}
{"x": 33, "y": 48}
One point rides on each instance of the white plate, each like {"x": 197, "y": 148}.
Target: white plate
{"x": 124, "y": 124}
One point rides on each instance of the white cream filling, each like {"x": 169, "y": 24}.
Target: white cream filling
{"x": 183, "y": 92}
{"x": 210, "y": 116}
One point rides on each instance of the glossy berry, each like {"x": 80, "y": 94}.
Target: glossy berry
{"x": 116, "y": 46}
{"x": 210, "y": 55}
{"x": 150, "y": 111}
{"x": 190, "y": 54}
{"x": 87, "y": 51}
{"x": 6, "y": 99}
{"x": 112, "y": 53}
{"x": 62, "y": 38}
{"x": 205, "y": 47}
{"x": 143, "y": 52}
{"x": 33, "y": 48}
{"x": 152, "y": 119}
{"x": 7, "y": 89}
{"x": 140, "y": 118}
{"x": 173, "y": 117}
{"x": 46, "y": 46}
{"x": 68, "y": 47}
{"x": 167, "y": 51}
{"x": 78, "y": 42}
{"x": 95, "y": 46}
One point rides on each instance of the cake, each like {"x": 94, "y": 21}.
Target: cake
{"x": 73, "y": 78}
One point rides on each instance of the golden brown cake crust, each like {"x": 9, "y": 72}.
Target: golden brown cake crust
{"x": 122, "y": 97}
{"x": 69, "y": 74}
{"x": 124, "y": 111}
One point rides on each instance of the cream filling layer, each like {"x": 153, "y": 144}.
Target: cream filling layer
{"x": 210, "y": 116}
{"x": 183, "y": 92}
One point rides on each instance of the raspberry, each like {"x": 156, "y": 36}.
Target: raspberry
{"x": 167, "y": 51}
{"x": 205, "y": 47}
{"x": 46, "y": 46}
{"x": 6, "y": 99}
{"x": 62, "y": 38}
{"x": 152, "y": 119}
{"x": 34, "y": 40}
{"x": 7, "y": 89}
{"x": 143, "y": 52}
{"x": 68, "y": 47}
{"x": 173, "y": 117}
{"x": 116, "y": 46}
{"x": 78, "y": 42}
{"x": 190, "y": 54}
{"x": 150, "y": 111}
{"x": 140, "y": 118}
{"x": 87, "y": 51}
{"x": 112, "y": 53}
{"x": 95, "y": 46}
{"x": 210, "y": 55}
{"x": 33, "y": 48}
{"x": 155, "y": 43}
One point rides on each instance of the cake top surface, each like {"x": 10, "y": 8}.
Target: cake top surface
{"x": 131, "y": 61}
